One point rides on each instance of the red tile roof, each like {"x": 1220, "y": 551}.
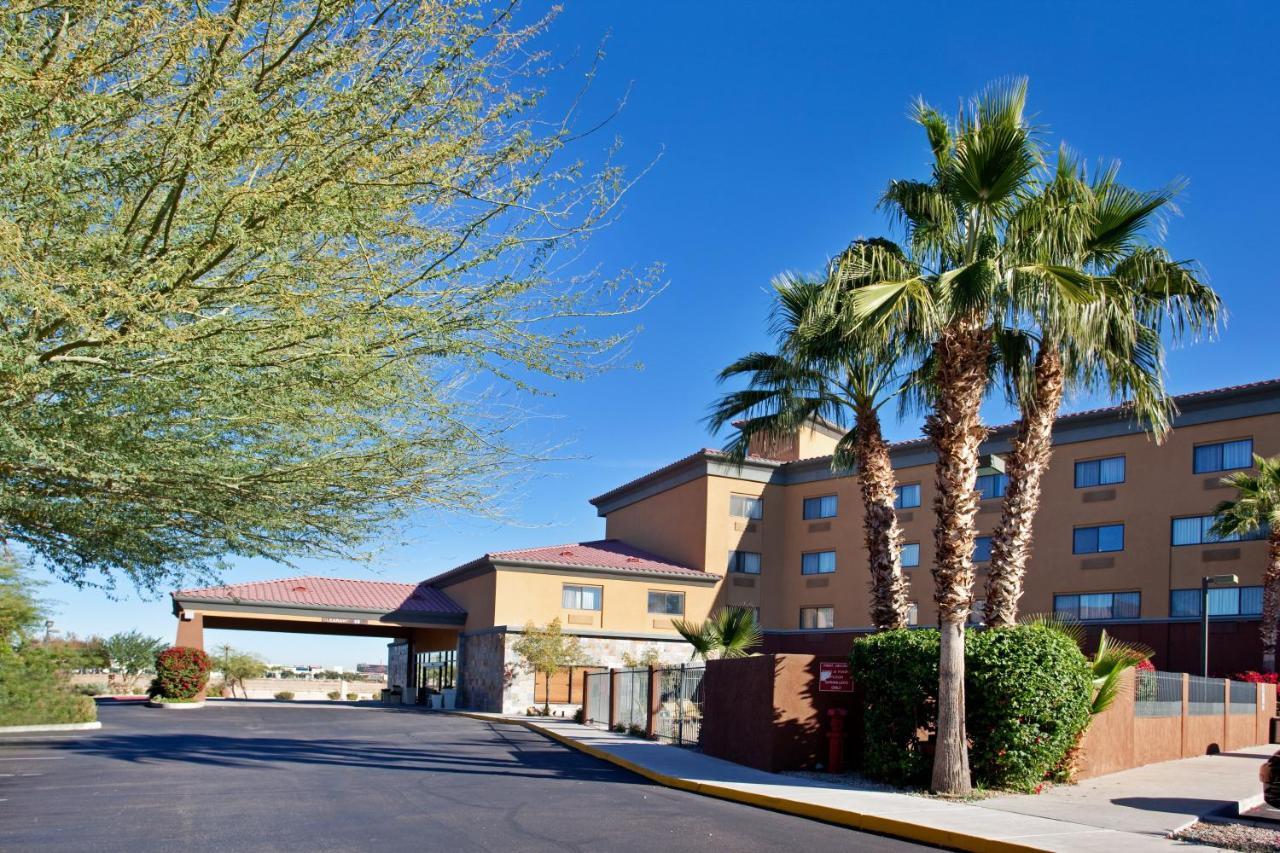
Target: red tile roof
{"x": 338, "y": 593}
{"x": 609, "y": 554}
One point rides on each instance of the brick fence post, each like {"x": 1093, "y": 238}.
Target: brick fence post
{"x": 586, "y": 671}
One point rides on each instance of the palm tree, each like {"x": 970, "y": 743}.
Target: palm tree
{"x": 953, "y": 289}
{"x": 820, "y": 373}
{"x": 730, "y": 632}
{"x": 1257, "y": 508}
{"x": 1091, "y": 230}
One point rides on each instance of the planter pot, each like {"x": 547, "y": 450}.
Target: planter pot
{"x": 176, "y": 706}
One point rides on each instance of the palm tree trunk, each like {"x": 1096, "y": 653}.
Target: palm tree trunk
{"x": 956, "y": 431}
{"x": 1011, "y": 542}
{"x": 880, "y": 523}
{"x": 1271, "y": 603}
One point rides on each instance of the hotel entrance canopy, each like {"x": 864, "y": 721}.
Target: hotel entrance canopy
{"x": 420, "y": 613}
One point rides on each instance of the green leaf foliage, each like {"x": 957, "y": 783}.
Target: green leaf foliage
{"x": 1027, "y": 699}
{"x": 1028, "y": 693}
{"x": 273, "y": 274}
{"x": 33, "y": 689}
{"x": 897, "y": 677}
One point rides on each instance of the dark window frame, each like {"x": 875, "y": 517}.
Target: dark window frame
{"x": 804, "y": 510}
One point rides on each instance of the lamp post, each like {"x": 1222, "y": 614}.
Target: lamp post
{"x": 1205, "y": 583}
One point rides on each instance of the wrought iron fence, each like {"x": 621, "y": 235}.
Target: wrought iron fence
{"x": 597, "y": 693}
{"x": 632, "y": 698}
{"x": 1204, "y": 696}
{"x": 679, "y": 715}
{"x": 677, "y": 707}
{"x": 1244, "y": 697}
{"x": 1159, "y": 694}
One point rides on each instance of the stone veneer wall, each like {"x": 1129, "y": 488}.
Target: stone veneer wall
{"x": 600, "y": 651}
{"x": 481, "y": 670}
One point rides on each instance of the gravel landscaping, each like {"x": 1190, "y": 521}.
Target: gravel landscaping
{"x": 1232, "y": 836}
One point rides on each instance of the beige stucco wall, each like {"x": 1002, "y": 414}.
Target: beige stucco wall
{"x": 476, "y": 596}
{"x": 1159, "y": 486}
{"x": 672, "y": 523}
{"x": 536, "y": 596}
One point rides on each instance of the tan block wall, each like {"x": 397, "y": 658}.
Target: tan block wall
{"x": 1159, "y": 486}
{"x": 535, "y": 596}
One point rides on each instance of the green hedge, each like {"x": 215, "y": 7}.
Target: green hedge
{"x": 1026, "y": 703}
{"x": 897, "y": 677}
{"x": 32, "y": 694}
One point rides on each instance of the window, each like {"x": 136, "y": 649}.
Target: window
{"x": 910, "y": 555}
{"x": 1223, "y": 601}
{"x": 666, "y": 603}
{"x": 1098, "y": 605}
{"x": 823, "y": 507}
{"x": 1097, "y": 540}
{"x": 745, "y": 506}
{"x": 818, "y": 563}
{"x": 982, "y": 549}
{"x": 1194, "y": 530}
{"x": 1222, "y": 456}
{"x": 992, "y": 486}
{"x": 744, "y": 562}
{"x": 908, "y": 496}
{"x": 581, "y": 597}
{"x": 817, "y": 617}
{"x": 913, "y": 614}
{"x": 1100, "y": 472}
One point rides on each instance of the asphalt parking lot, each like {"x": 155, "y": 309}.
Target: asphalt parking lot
{"x": 321, "y": 778}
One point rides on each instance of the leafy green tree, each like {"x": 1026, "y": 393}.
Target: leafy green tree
{"x": 132, "y": 653}
{"x": 730, "y": 632}
{"x": 238, "y": 667}
{"x": 1257, "y": 508}
{"x": 257, "y": 261}
{"x": 33, "y": 684}
{"x": 545, "y": 651}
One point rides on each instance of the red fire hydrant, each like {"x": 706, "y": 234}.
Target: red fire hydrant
{"x": 835, "y": 740}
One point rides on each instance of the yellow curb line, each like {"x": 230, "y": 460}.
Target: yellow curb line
{"x": 829, "y": 814}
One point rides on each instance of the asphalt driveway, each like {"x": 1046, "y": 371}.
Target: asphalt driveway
{"x": 322, "y": 778}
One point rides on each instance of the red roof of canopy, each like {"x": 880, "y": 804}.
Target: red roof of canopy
{"x": 332, "y": 592}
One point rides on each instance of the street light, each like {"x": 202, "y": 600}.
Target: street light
{"x": 1205, "y": 583}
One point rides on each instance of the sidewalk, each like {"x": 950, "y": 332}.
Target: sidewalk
{"x": 1121, "y": 811}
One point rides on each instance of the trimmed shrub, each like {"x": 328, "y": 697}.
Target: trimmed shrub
{"x": 181, "y": 673}
{"x": 353, "y": 696}
{"x": 90, "y": 689}
{"x": 1027, "y": 691}
{"x": 31, "y": 693}
{"x": 897, "y": 677}
{"x": 285, "y": 695}
{"x": 334, "y": 694}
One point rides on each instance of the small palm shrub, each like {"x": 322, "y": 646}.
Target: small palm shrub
{"x": 285, "y": 695}
{"x": 181, "y": 673}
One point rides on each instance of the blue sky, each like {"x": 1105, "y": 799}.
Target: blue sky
{"x": 778, "y": 125}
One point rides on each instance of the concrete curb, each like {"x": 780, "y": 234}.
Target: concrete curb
{"x": 842, "y": 817}
{"x": 51, "y": 727}
{"x": 176, "y": 706}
